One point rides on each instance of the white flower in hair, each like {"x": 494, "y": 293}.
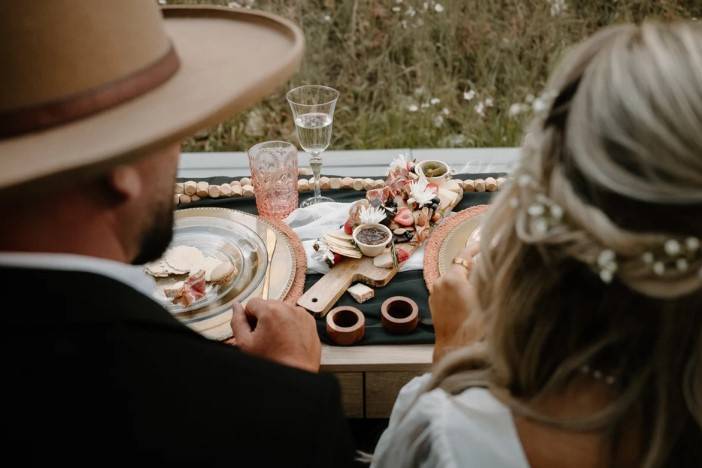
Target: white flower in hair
{"x": 421, "y": 193}
{"x": 607, "y": 263}
{"x": 371, "y": 215}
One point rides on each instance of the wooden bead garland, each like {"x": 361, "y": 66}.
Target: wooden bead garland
{"x": 190, "y": 191}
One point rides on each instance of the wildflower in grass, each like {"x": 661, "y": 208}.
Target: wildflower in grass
{"x": 469, "y": 95}
{"x": 396, "y": 9}
{"x": 480, "y": 109}
{"x": 424, "y": 105}
{"x": 412, "y": 108}
{"x": 326, "y": 18}
{"x": 161, "y": 2}
{"x": 489, "y": 102}
{"x": 540, "y": 104}
{"x": 558, "y": 7}
{"x": 518, "y": 108}
{"x": 439, "y": 8}
{"x": 419, "y": 91}
{"x": 411, "y": 12}
{"x": 434, "y": 101}
{"x": 456, "y": 139}
{"x": 425, "y": 5}
{"x": 438, "y": 120}
{"x": 234, "y": 5}
{"x": 445, "y": 111}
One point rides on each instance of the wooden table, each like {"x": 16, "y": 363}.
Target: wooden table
{"x": 370, "y": 376}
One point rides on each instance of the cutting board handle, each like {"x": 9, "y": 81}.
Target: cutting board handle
{"x": 320, "y": 298}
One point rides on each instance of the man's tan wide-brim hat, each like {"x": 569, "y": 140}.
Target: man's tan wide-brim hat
{"x": 86, "y": 84}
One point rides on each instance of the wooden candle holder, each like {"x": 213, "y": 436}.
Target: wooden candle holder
{"x": 399, "y": 315}
{"x": 345, "y": 325}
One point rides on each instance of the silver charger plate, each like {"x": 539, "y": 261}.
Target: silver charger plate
{"x": 223, "y": 238}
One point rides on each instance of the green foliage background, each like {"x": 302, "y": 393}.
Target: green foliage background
{"x": 386, "y": 57}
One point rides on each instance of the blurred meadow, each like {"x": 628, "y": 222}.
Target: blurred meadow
{"x": 429, "y": 74}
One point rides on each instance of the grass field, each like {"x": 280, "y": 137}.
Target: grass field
{"x": 447, "y": 73}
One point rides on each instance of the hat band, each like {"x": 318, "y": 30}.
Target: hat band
{"x": 61, "y": 111}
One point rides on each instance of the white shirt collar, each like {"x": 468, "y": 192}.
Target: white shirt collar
{"x": 130, "y": 275}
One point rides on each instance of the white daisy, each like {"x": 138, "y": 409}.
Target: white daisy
{"x": 421, "y": 194}
{"x": 371, "y": 215}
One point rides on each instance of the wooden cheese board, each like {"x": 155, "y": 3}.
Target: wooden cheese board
{"x": 324, "y": 294}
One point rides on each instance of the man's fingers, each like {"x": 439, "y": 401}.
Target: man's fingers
{"x": 240, "y": 326}
{"x": 257, "y": 307}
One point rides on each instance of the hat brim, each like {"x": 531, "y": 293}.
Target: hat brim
{"x": 230, "y": 59}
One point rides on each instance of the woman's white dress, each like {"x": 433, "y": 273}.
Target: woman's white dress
{"x": 469, "y": 430}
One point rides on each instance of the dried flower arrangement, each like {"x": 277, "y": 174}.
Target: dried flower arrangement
{"x": 408, "y": 204}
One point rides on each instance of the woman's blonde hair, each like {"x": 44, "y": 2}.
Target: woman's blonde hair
{"x": 591, "y": 258}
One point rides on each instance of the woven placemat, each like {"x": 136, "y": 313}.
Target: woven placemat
{"x": 298, "y": 285}
{"x": 433, "y": 246}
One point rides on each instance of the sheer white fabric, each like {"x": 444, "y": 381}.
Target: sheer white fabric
{"x": 470, "y": 430}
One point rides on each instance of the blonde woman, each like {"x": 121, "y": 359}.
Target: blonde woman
{"x": 579, "y": 339}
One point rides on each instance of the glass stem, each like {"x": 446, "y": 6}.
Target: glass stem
{"x": 316, "y": 165}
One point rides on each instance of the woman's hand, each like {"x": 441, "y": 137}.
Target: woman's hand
{"x": 450, "y": 302}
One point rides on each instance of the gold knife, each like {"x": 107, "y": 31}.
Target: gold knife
{"x": 271, "y": 240}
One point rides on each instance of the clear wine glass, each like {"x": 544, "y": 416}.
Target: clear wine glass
{"x": 313, "y": 111}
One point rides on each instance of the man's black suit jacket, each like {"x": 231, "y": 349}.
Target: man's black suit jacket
{"x": 97, "y": 374}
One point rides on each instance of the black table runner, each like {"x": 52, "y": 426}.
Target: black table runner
{"x": 409, "y": 283}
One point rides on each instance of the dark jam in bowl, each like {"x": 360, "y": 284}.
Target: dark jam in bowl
{"x": 372, "y": 235}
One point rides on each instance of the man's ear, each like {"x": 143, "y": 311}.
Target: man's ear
{"x": 125, "y": 183}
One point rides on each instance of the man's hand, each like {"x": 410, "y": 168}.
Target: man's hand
{"x": 279, "y": 332}
{"x": 450, "y": 302}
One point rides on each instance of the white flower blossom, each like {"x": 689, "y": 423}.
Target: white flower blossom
{"x": 412, "y": 108}
{"x": 326, "y": 18}
{"x": 516, "y": 109}
{"x": 400, "y": 162}
{"x": 371, "y": 215}
{"x": 558, "y": 7}
{"x": 469, "y": 95}
{"x": 480, "y": 109}
{"x": 445, "y": 111}
{"x": 434, "y": 101}
{"x": 424, "y": 105}
{"x": 411, "y": 12}
{"x": 396, "y": 9}
{"x": 421, "y": 194}
{"x": 438, "y": 120}
{"x": 439, "y": 8}
{"x": 489, "y": 102}
{"x": 540, "y": 105}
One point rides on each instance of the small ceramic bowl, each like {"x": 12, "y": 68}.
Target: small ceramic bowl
{"x": 346, "y": 325}
{"x": 399, "y": 315}
{"x": 438, "y": 179}
{"x": 375, "y": 249}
